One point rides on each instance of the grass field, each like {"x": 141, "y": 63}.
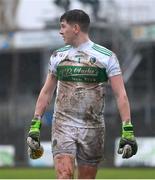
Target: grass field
{"x": 107, "y": 173}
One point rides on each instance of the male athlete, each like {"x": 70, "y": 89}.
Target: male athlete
{"x": 81, "y": 70}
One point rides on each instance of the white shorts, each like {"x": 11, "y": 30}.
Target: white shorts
{"x": 85, "y": 144}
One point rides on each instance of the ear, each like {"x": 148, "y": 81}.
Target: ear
{"x": 76, "y": 28}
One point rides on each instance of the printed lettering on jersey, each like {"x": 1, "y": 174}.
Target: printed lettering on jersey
{"x": 81, "y": 74}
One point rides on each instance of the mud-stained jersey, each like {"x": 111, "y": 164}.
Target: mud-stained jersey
{"x": 82, "y": 75}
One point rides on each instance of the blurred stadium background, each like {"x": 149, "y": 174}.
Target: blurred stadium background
{"x": 29, "y": 32}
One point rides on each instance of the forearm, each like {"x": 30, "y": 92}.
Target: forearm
{"x": 124, "y": 108}
{"x": 127, "y": 145}
{"x": 118, "y": 88}
{"x": 45, "y": 95}
{"x": 42, "y": 103}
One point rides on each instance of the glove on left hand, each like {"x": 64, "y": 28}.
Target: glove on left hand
{"x": 127, "y": 145}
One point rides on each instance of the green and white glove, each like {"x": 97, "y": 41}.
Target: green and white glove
{"x": 35, "y": 150}
{"x": 127, "y": 145}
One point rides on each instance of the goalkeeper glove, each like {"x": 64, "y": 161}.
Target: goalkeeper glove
{"x": 37, "y": 153}
{"x": 35, "y": 150}
{"x": 127, "y": 145}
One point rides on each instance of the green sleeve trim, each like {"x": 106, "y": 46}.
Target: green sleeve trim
{"x": 102, "y": 50}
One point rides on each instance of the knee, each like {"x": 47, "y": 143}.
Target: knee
{"x": 64, "y": 167}
{"x": 64, "y": 174}
{"x": 87, "y": 172}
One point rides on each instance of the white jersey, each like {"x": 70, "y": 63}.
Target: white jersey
{"x": 82, "y": 75}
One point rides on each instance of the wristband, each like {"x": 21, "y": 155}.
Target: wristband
{"x": 36, "y": 116}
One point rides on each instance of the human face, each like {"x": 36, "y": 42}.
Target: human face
{"x": 68, "y": 32}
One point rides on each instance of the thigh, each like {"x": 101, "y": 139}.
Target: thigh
{"x": 64, "y": 150}
{"x": 63, "y": 139}
{"x": 90, "y": 150}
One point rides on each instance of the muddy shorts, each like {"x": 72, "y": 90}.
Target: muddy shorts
{"x": 85, "y": 144}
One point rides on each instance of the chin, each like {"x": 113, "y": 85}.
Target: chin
{"x": 67, "y": 43}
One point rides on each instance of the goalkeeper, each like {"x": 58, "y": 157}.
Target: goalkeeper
{"x": 80, "y": 72}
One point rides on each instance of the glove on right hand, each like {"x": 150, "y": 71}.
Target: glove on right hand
{"x": 35, "y": 150}
{"x": 37, "y": 153}
{"x": 33, "y": 139}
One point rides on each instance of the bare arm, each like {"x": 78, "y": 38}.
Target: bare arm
{"x": 118, "y": 88}
{"x": 45, "y": 95}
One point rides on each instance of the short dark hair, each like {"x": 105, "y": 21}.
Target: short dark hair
{"x": 77, "y": 16}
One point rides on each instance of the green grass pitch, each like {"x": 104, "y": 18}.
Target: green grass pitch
{"x": 105, "y": 173}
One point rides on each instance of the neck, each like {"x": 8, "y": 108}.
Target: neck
{"x": 80, "y": 39}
